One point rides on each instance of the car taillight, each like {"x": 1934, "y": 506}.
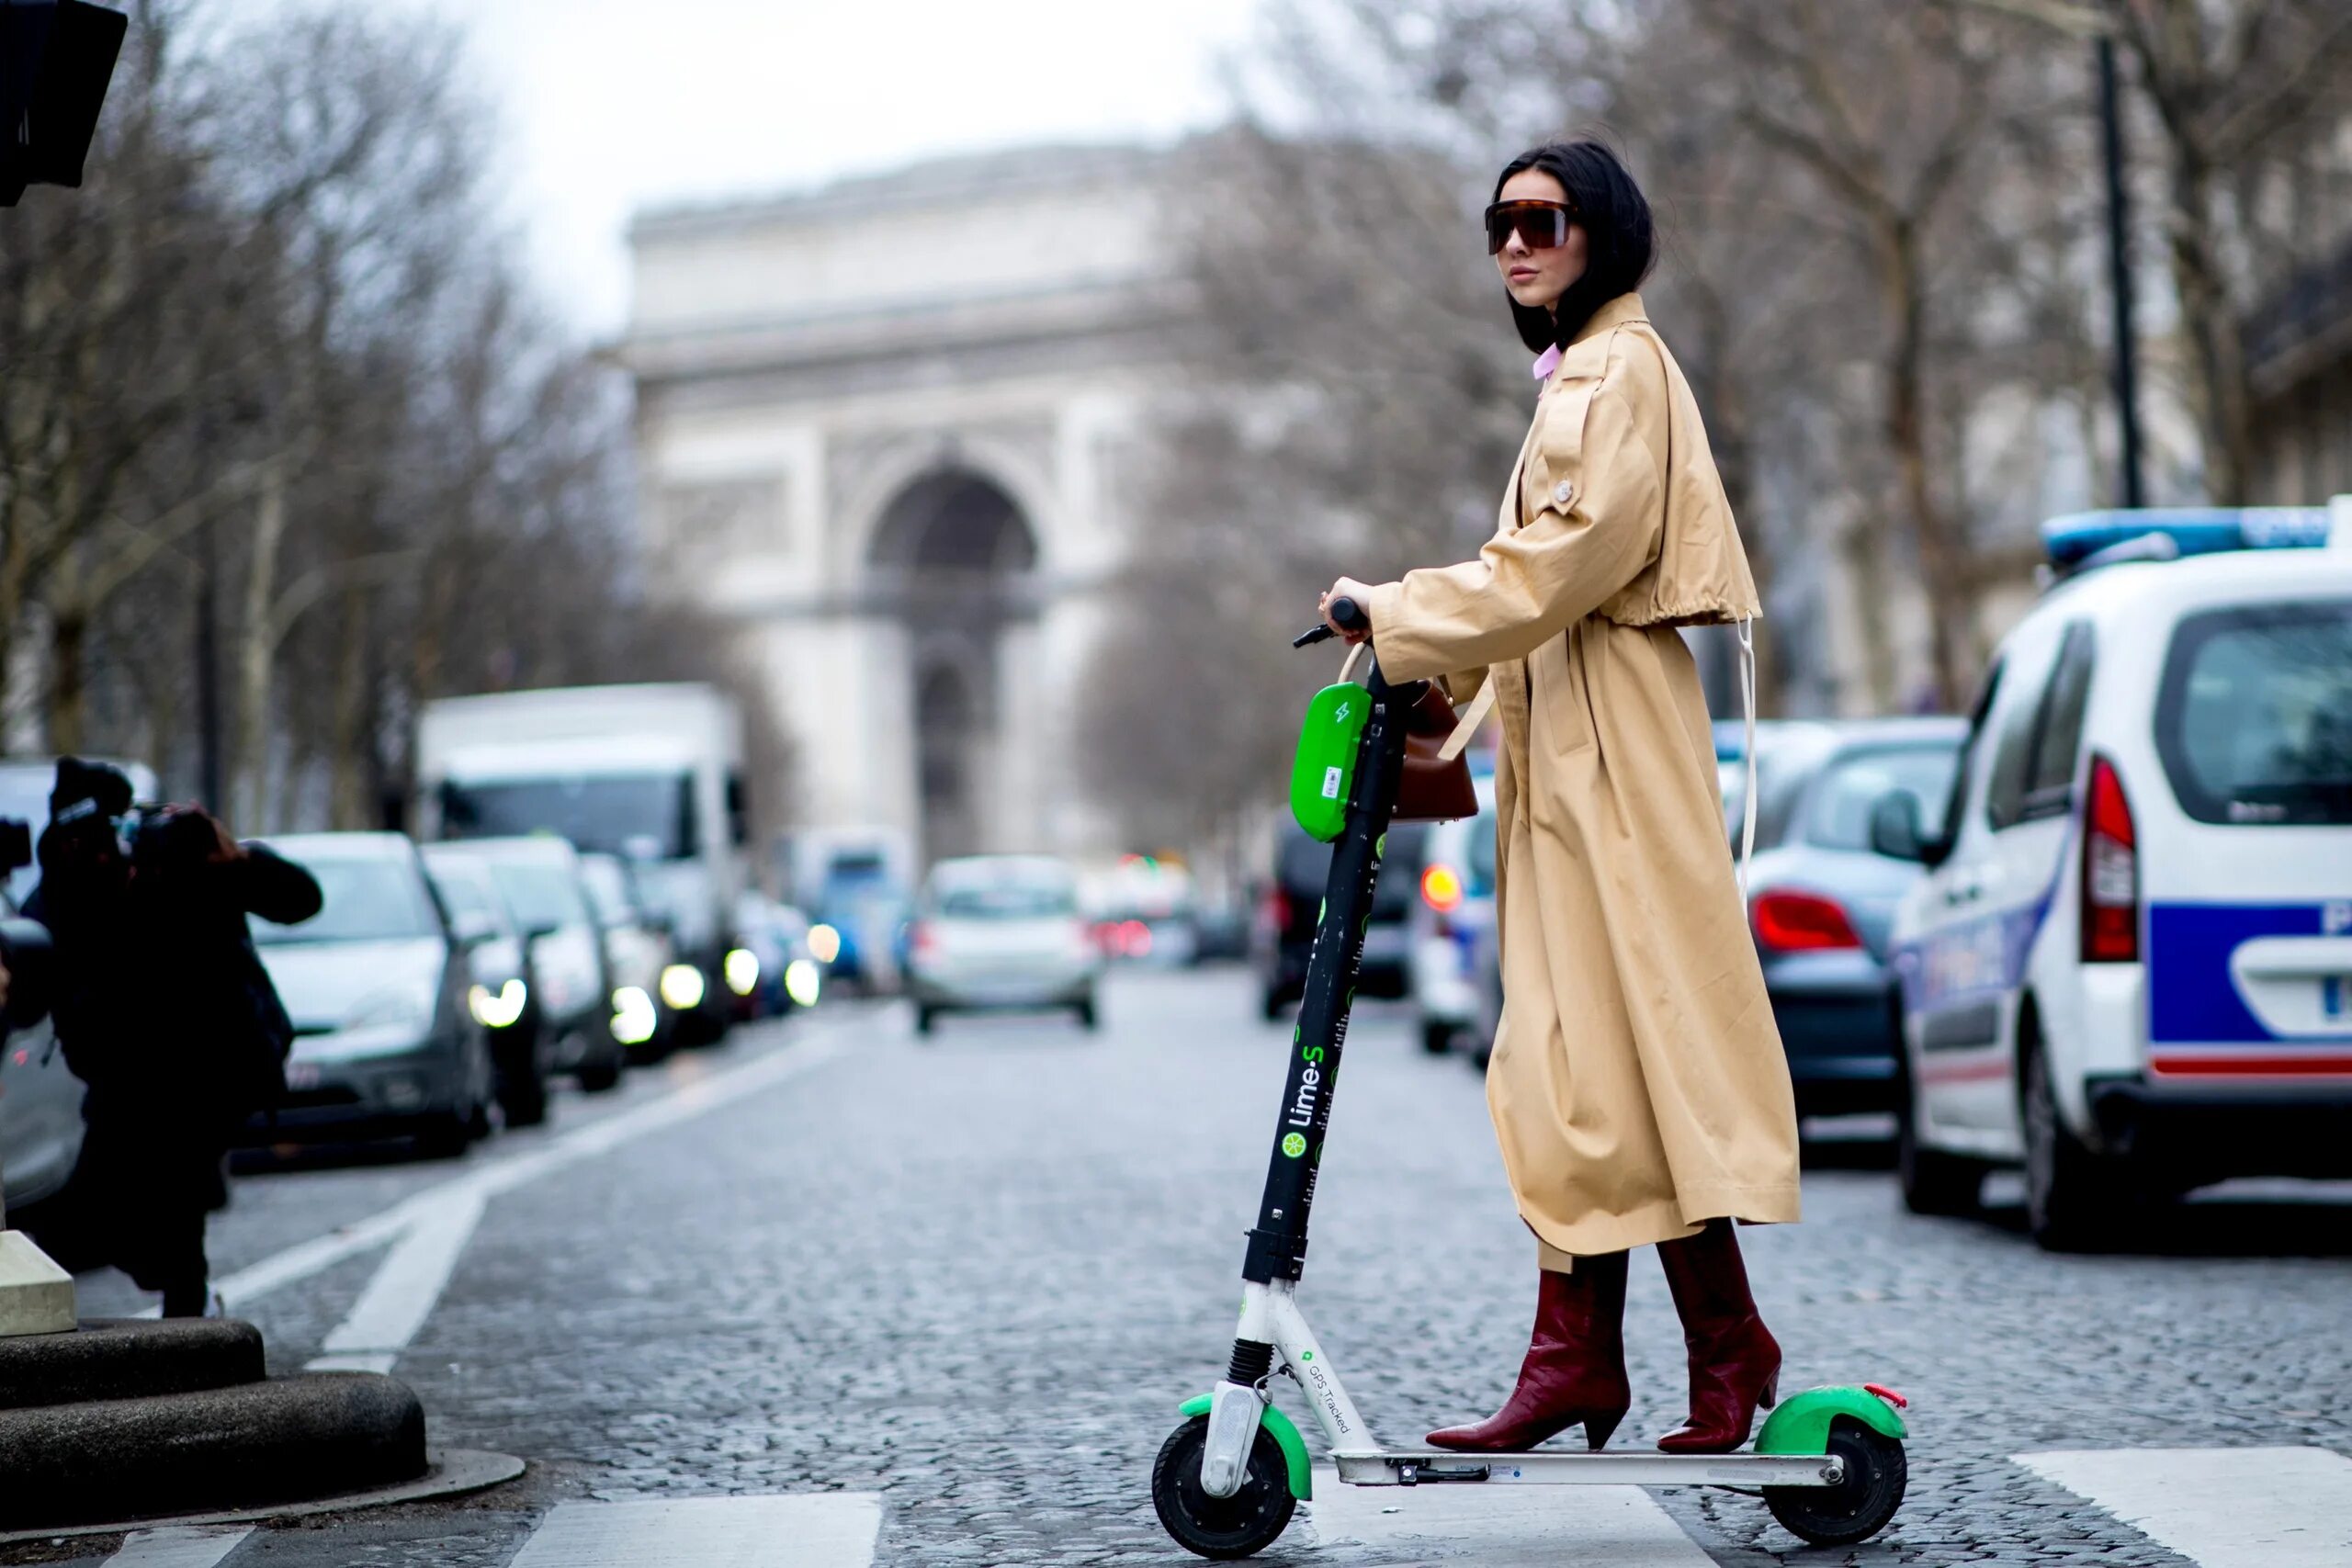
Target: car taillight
{"x": 1442, "y": 888}
{"x": 1787, "y": 921}
{"x": 1278, "y": 909}
{"x": 2111, "y": 919}
{"x": 923, "y": 940}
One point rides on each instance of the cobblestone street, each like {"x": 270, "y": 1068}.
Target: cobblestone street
{"x": 959, "y": 1286}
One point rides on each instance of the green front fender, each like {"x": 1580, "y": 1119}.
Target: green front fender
{"x": 1801, "y": 1424}
{"x": 1293, "y": 1447}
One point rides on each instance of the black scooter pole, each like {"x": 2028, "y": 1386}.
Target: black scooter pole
{"x": 1278, "y": 1244}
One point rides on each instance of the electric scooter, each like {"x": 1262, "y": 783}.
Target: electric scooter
{"x": 1829, "y": 1462}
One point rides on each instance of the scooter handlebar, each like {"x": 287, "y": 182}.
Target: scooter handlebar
{"x": 1346, "y": 612}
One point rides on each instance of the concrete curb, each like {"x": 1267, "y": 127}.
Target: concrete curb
{"x": 120, "y": 1358}
{"x": 452, "y": 1473}
{"x": 290, "y": 1440}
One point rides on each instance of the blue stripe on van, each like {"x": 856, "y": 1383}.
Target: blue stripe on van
{"x": 2192, "y": 999}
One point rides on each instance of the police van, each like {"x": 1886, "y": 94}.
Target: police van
{"x": 2128, "y": 966}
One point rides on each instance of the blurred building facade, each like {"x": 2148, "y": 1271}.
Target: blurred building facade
{"x": 894, "y": 425}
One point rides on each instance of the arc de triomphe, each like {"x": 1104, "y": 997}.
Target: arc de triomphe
{"x": 895, "y": 427}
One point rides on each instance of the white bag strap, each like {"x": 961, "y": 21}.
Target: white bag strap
{"x": 1471, "y": 717}
{"x": 1748, "y": 706}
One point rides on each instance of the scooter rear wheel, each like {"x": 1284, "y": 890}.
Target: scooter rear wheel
{"x": 1239, "y": 1525}
{"x": 1856, "y": 1508}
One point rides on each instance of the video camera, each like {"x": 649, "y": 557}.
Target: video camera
{"x": 24, "y": 944}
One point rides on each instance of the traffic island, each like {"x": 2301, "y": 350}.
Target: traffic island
{"x": 134, "y": 1421}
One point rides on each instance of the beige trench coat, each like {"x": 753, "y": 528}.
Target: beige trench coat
{"x": 1638, "y": 1086}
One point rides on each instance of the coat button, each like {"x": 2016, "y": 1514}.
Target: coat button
{"x": 1562, "y": 494}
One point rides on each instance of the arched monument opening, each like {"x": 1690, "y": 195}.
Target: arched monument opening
{"x": 954, "y": 558}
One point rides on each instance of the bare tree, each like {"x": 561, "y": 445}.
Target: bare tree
{"x": 2235, "y": 86}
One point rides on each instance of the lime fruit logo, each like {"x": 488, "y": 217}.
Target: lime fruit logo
{"x": 1293, "y": 1144}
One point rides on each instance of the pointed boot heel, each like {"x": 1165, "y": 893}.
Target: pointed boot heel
{"x": 1597, "y": 1429}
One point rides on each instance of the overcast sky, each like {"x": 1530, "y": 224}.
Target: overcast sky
{"x": 615, "y": 104}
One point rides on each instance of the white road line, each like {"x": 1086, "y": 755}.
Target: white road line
{"x": 693, "y": 1099}
{"x": 177, "y": 1548}
{"x": 2220, "y": 1508}
{"x": 821, "y": 1530}
{"x": 407, "y": 1284}
{"x": 1502, "y": 1526}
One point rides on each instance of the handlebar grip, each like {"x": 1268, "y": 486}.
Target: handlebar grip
{"x": 1344, "y": 611}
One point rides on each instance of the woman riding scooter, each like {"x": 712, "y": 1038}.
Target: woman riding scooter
{"x": 1637, "y": 1086}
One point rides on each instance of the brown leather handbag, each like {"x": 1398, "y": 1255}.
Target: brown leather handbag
{"x": 1435, "y": 787}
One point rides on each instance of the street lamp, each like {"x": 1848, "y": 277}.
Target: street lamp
{"x": 2118, "y": 267}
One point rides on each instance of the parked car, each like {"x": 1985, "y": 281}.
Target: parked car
{"x": 378, "y": 989}
{"x": 638, "y": 956}
{"x": 540, "y": 879}
{"x": 40, "y": 1103}
{"x": 2125, "y": 967}
{"x": 1001, "y": 931}
{"x": 1456, "y": 900}
{"x": 503, "y": 994}
{"x": 1285, "y": 929}
{"x": 1820, "y": 900}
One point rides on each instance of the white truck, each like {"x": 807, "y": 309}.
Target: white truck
{"x": 650, "y": 773}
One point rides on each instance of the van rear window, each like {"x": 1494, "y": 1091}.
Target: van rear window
{"x": 2253, "y": 719}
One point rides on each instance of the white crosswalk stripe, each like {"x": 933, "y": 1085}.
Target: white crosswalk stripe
{"x": 826, "y": 1529}
{"x": 177, "y": 1548}
{"x": 2220, "y": 1508}
{"x": 1501, "y": 1527}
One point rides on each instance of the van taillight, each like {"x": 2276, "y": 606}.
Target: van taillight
{"x": 2110, "y": 871}
{"x": 1278, "y": 909}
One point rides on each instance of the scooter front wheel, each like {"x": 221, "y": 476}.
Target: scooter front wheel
{"x": 1239, "y": 1525}
{"x": 1857, "y": 1507}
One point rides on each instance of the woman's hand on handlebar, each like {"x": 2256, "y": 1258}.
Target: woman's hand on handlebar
{"x": 1345, "y": 588}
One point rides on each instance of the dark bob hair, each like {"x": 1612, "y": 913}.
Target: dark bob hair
{"x": 1620, "y": 239}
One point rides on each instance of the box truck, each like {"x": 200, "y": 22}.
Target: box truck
{"x": 651, "y": 772}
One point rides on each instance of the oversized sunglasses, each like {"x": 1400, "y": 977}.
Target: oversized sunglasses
{"x": 1544, "y": 225}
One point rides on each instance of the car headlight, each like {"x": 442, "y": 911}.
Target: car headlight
{"x": 501, "y": 1008}
{"x": 683, "y": 986}
{"x": 741, "y": 971}
{"x": 824, "y": 943}
{"x": 802, "y": 980}
{"x": 393, "y": 1007}
{"x": 633, "y": 1018}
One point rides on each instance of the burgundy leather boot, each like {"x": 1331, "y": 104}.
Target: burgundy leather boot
{"x": 1734, "y": 1361}
{"x": 1575, "y": 1369}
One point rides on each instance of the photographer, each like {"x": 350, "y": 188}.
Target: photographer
{"x": 164, "y": 1013}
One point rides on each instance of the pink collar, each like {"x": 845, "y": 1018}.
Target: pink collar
{"x": 1548, "y": 362}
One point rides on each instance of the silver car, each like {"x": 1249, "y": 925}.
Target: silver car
{"x": 1001, "y": 932}
{"x": 378, "y": 989}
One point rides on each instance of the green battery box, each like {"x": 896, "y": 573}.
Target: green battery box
{"x": 1324, "y": 768}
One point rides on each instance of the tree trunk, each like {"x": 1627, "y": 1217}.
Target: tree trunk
{"x": 69, "y": 634}
{"x": 256, "y": 651}
{"x": 2217, "y": 353}
{"x": 1950, "y": 593}
{"x": 347, "y": 804}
